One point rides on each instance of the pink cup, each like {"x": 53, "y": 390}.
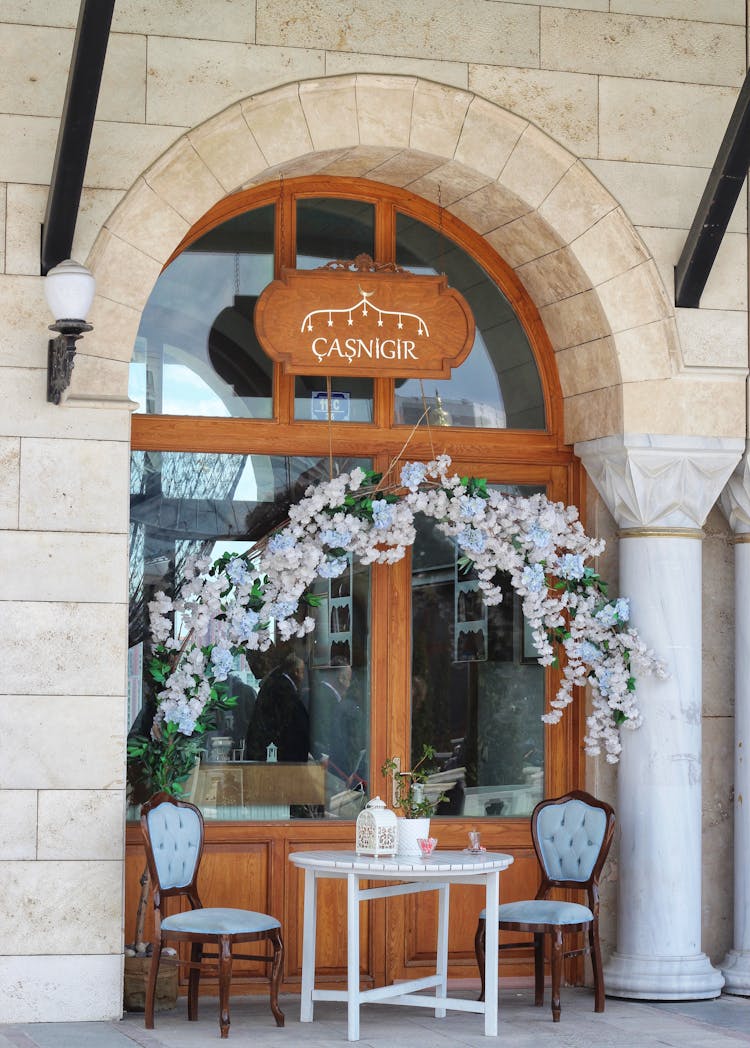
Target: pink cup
{"x": 427, "y": 845}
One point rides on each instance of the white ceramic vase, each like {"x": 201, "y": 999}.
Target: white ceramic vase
{"x": 409, "y": 832}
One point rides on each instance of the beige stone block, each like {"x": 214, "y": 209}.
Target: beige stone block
{"x": 523, "y": 239}
{"x": 565, "y": 105}
{"x": 26, "y": 412}
{"x": 71, "y": 907}
{"x": 438, "y": 116}
{"x": 330, "y": 108}
{"x": 443, "y": 72}
{"x": 662, "y": 123}
{"x": 278, "y": 123}
{"x": 26, "y": 207}
{"x": 3, "y": 224}
{"x": 119, "y": 153}
{"x": 18, "y": 825}
{"x": 588, "y": 367}
{"x": 660, "y": 194}
{"x": 474, "y": 30}
{"x": 313, "y": 163}
{"x": 448, "y": 183}
{"x": 594, "y": 414}
{"x": 74, "y": 485}
{"x": 23, "y": 333}
{"x": 123, "y": 273}
{"x": 609, "y": 247}
{"x": 487, "y": 208}
{"x": 635, "y": 297}
{"x": 384, "y": 109}
{"x": 405, "y": 168}
{"x": 64, "y": 663}
{"x": 148, "y": 222}
{"x": 76, "y": 989}
{"x": 690, "y": 404}
{"x": 115, "y": 328}
{"x": 219, "y": 19}
{"x": 190, "y": 80}
{"x": 182, "y": 179}
{"x": 535, "y": 166}
{"x": 35, "y": 74}
{"x": 40, "y": 12}
{"x": 575, "y": 320}
{"x": 81, "y": 824}
{"x": 74, "y": 742}
{"x": 577, "y": 201}
{"x": 726, "y": 287}
{"x": 647, "y": 352}
{"x": 96, "y": 377}
{"x": 712, "y": 338}
{"x": 52, "y": 565}
{"x": 488, "y": 137}
{"x": 729, "y": 11}
{"x": 34, "y": 139}
{"x": 553, "y": 277}
{"x": 227, "y": 147}
{"x": 10, "y": 471}
{"x": 633, "y": 46}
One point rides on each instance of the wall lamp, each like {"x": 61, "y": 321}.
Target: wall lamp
{"x": 69, "y": 290}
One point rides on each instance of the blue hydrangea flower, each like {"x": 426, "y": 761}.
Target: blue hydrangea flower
{"x": 246, "y": 625}
{"x": 280, "y": 542}
{"x": 471, "y": 539}
{"x": 282, "y": 609}
{"x": 622, "y": 609}
{"x": 589, "y": 652}
{"x": 471, "y": 505}
{"x": 382, "y": 514}
{"x": 330, "y": 569}
{"x": 412, "y": 475}
{"x": 222, "y": 661}
{"x": 532, "y": 577}
{"x": 237, "y": 571}
{"x": 571, "y": 566}
{"x": 334, "y": 539}
{"x": 603, "y": 678}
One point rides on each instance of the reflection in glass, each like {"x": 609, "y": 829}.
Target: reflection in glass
{"x": 196, "y": 352}
{"x": 297, "y": 742}
{"x": 498, "y": 385}
{"x": 327, "y": 230}
{"x": 477, "y": 690}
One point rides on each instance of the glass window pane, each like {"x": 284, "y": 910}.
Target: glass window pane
{"x": 310, "y": 696}
{"x": 196, "y": 352}
{"x": 477, "y": 689}
{"x": 498, "y": 385}
{"x": 330, "y": 229}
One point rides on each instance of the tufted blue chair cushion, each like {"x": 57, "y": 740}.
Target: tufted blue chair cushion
{"x": 542, "y": 911}
{"x": 216, "y": 920}
{"x": 175, "y": 839}
{"x": 570, "y": 836}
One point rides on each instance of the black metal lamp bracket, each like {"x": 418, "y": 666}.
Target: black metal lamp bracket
{"x": 61, "y": 352}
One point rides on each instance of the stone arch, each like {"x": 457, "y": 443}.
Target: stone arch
{"x": 593, "y": 281}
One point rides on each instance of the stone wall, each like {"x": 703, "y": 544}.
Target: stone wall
{"x": 639, "y": 101}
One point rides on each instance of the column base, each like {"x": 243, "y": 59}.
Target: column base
{"x": 662, "y": 978}
{"x": 736, "y": 971}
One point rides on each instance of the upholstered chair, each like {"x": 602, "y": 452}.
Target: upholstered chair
{"x": 173, "y": 834}
{"x": 572, "y": 836}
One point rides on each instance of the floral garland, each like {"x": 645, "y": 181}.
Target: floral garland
{"x": 234, "y": 604}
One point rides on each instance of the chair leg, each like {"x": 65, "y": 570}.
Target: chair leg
{"x": 196, "y": 956}
{"x": 276, "y": 968}
{"x": 538, "y": 969}
{"x": 225, "y": 980}
{"x": 596, "y": 964}
{"x": 153, "y": 974}
{"x": 557, "y": 959}
{"x": 479, "y": 939}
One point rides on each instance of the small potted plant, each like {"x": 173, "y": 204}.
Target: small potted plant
{"x": 410, "y": 798}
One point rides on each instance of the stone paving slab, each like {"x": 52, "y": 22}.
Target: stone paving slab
{"x": 721, "y": 1023}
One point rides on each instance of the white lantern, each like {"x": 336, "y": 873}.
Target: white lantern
{"x": 377, "y": 829}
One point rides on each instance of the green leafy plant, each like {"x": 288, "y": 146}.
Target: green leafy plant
{"x": 408, "y": 786}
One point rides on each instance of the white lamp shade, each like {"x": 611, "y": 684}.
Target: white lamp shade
{"x": 69, "y": 290}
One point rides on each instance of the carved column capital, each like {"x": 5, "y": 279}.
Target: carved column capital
{"x": 660, "y": 482}
{"x": 735, "y": 498}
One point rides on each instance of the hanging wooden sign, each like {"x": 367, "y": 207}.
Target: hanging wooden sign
{"x": 373, "y": 321}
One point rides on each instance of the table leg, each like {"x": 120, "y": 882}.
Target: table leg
{"x": 352, "y": 955}
{"x": 492, "y": 901}
{"x": 308, "y": 947}
{"x": 441, "y": 990}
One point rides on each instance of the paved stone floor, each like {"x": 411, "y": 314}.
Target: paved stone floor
{"x": 721, "y": 1023}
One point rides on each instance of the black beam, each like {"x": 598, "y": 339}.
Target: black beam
{"x": 76, "y": 125}
{"x": 716, "y": 206}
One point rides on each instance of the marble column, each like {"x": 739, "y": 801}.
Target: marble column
{"x": 659, "y": 490}
{"x": 735, "y": 501}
